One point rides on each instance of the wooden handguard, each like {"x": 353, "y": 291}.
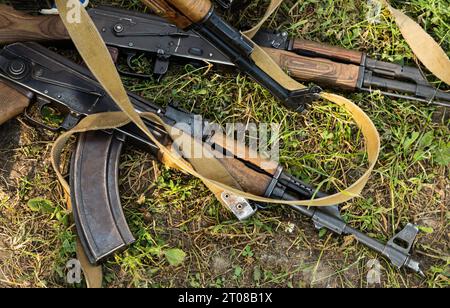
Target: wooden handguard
{"x": 12, "y": 102}
{"x": 163, "y": 9}
{"x": 321, "y": 71}
{"x": 244, "y": 152}
{"x": 17, "y": 26}
{"x": 180, "y": 12}
{"x": 251, "y": 181}
{"x": 195, "y": 10}
{"x": 328, "y": 51}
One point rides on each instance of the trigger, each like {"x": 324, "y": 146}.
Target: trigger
{"x": 131, "y": 74}
{"x": 130, "y": 57}
{"x": 41, "y": 102}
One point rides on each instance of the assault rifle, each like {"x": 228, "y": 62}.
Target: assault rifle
{"x": 134, "y": 34}
{"x": 33, "y": 74}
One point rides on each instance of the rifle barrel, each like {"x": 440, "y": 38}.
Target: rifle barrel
{"x": 327, "y": 218}
{"x": 418, "y": 92}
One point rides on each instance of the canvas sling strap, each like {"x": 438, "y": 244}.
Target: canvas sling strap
{"x": 91, "y": 47}
{"x": 421, "y": 43}
{"x": 95, "y": 54}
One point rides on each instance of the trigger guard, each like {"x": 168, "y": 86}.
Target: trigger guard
{"x": 130, "y": 57}
{"x": 131, "y": 74}
{"x": 41, "y": 103}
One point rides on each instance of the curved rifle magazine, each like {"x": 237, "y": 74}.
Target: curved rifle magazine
{"x": 98, "y": 213}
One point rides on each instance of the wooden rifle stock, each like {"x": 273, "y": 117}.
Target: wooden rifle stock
{"x": 12, "y": 102}
{"x": 17, "y": 26}
{"x": 322, "y": 71}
